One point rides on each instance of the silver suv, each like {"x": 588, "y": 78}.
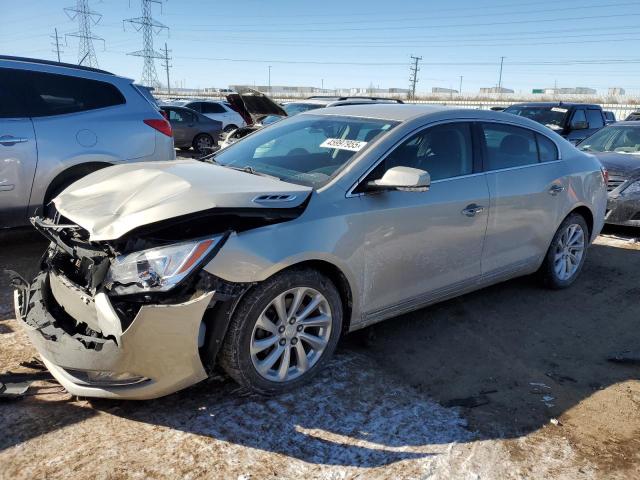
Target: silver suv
{"x": 321, "y": 224}
{"x": 59, "y": 122}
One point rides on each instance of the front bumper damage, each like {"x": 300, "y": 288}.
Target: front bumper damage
{"x": 623, "y": 210}
{"x": 81, "y": 340}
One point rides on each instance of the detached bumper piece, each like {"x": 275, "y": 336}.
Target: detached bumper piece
{"x": 83, "y": 344}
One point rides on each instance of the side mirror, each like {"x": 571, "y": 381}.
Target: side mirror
{"x": 579, "y": 126}
{"x": 402, "y": 178}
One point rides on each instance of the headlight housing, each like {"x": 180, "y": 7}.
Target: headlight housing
{"x": 632, "y": 189}
{"x": 158, "y": 269}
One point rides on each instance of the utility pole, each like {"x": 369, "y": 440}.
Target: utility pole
{"x": 460, "y": 90}
{"x": 269, "y": 79}
{"x": 413, "y": 77}
{"x": 166, "y": 66}
{"x": 85, "y": 16}
{"x": 149, "y": 26}
{"x": 57, "y": 43}
{"x": 500, "y": 75}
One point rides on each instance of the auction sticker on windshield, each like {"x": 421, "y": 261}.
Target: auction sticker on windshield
{"x": 558, "y": 109}
{"x": 343, "y": 144}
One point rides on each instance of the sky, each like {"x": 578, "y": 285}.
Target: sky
{"x": 353, "y": 43}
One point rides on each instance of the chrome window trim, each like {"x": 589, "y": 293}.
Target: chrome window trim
{"x": 406, "y": 137}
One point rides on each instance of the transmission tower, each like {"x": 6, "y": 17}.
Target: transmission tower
{"x": 149, "y": 27}
{"x": 86, "y": 17}
{"x": 166, "y": 65}
{"x": 413, "y": 77}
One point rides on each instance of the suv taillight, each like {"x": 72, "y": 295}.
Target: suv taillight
{"x": 162, "y": 125}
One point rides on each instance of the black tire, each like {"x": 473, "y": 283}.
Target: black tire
{"x": 235, "y": 356}
{"x": 184, "y": 149}
{"x": 547, "y": 273}
{"x": 230, "y": 128}
{"x": 203, "y": 143}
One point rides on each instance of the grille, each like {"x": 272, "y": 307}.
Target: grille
{"x": 614, "y": 182}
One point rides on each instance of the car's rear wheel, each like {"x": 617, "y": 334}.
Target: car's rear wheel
{"x": 203, "y": 143}
{"x": 283, "y": 332}
{"x": 567, "y": 253}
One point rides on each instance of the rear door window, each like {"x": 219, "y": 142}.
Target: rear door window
{"x": 594, "y": 117}
{"x": 12, "y": 103}
{"x": 53, "y": 94}
{"x": 212, "y": 108}
{"x": 507, "y": 146}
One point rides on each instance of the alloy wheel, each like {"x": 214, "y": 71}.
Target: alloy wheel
{"x": 291, "y": 334}
{"x": 569, "y": 251}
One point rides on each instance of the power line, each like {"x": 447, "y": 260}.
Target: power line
{"x": 149, "y": 26}
{"x": 86, "y": 17}
{"x": 166, "y": 66}
{"x": 56, "y": 44}
{"x": 413, "y": 77}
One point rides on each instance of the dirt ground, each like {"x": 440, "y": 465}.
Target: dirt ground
{"x": 509, "y": 382}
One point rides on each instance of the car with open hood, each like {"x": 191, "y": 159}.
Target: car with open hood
{"x": 260, "y": 258}
{"x": 617, "y": 147}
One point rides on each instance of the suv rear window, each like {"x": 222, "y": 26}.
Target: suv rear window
{"x": 53, "y": 94}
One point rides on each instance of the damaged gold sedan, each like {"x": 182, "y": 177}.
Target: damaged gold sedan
{"x": 259, "y": 259}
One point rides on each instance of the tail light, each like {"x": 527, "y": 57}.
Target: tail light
{"x": 161, "y": 125}
{"x": 605, "y": 175}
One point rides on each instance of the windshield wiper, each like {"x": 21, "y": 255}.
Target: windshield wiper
{"x": 252, "y": 171}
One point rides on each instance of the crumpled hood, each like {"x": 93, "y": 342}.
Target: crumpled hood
{"x": 115, "y": 200}
{"x": 623, "y": 164}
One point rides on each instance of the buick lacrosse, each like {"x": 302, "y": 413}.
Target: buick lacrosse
{"x": 260, "y": 258}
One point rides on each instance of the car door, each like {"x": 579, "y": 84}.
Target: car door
{"x": 527, "y": 185}
{"x": 18, "y": 152}
{"x": 422, "y": 246}
{"x": 177, "y": 126}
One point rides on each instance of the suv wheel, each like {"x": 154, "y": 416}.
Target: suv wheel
{"x": 566, "y": 254}
{"x": 283, "y": 332}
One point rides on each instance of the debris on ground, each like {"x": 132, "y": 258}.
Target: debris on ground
{"x": 467, "y": 402}
{"x": 560, "y": 378}
{"x": 628, "y": 357}
{"x": 13, "y": 391}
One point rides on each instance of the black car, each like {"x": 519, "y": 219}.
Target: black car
{"x": 192, "y": 129}
{"x": 618, "y": 149}
{"x": 633, "y": 116}
{"x": 574, "y": 121}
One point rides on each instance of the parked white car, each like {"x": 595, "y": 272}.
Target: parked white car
{"x": 217, "y": 110}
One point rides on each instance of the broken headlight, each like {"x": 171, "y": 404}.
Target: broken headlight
{"x": 157, "y": 269}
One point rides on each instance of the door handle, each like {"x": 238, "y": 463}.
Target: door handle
{"x": 472, "y": 210}
{"x": 9, "y": 140}
{"x": 556, "y": 189}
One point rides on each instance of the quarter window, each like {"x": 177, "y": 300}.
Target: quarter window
{"x": 444, "y": 151}
{"x": 53, "y": 94}
{"x": 547, "y": 150}
{"x": 508, "y": 146}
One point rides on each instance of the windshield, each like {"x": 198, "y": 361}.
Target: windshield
{"x": 617, "y": 139}
{"x": 552, "y": 117}
{"x": 306, "y": 150}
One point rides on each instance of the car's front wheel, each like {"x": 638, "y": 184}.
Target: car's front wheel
{"x": 283, "y": 332}
{"x": 203, "y": 143}
{"x": 566, "y": 255}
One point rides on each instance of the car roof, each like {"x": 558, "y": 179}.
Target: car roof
{"x": 388, "y": 111}
{"x": 554, "y": 104}
{"x": 626, "y": 123}
{"x": 52, "y": 63}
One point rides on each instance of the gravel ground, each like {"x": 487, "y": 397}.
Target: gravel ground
{"x": 549, "y": 405}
